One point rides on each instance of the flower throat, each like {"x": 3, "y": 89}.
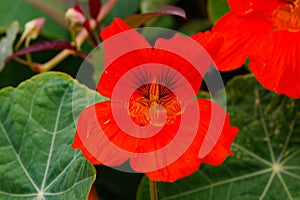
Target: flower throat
{"x": 153, "y": 104}
{"x": 287, "y": 16}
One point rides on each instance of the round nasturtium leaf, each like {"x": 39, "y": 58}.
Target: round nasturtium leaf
{"x": 37, "y": 127}
{"x": 266, "y": 157}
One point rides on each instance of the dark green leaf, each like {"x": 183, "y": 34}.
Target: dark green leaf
{"x": 194, "y": 26}
{"x": 216, "y": 9}
{"x": 147, "y": 6}
{"x": 138, "y": 20}
{"x": 266, "y": 152}
{"x": 151, "y": 5}
{"x": 122, "y": 9}
{"x": 37, "y": 125}
{"x": 6, "y": 43}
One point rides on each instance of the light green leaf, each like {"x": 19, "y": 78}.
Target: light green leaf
{"x": 23, "y": 12}
{"x": 216, "y": 9}
{"x": 266, "y": 152}
{"x": 6, "y": 43}
{"x": 37, "y": 127}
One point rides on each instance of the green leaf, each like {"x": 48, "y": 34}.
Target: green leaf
{"x": 37, "y": 126}
{"x": 147, "y": 6}
{"x": 122, "y": 9}
{"x": 151, "y": 5}
{"x": 138, "y": 20}
{"x": 194, "y": 26}
{"x": 97, "y": 56}
{"x": 216, "y": 9}
{"x": 54, "y": 8}
{"x": 23, "y": 12}
{"x": 6, "y": 43}
{"x": 266, "y": 152}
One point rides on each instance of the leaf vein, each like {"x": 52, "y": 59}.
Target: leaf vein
{"x": 234, "y": 179}
{"x": 18, "y": 158}
{"x": 53, "y": 139}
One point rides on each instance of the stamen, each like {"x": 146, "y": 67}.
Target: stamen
{"x": 154, "y": 104}
{"x": 154, "y": 91}
{"x": 287, "y": 17}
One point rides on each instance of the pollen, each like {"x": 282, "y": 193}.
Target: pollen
{"x": 287, "y": 16}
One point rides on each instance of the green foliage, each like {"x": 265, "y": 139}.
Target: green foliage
{"x": 216, "y": 9}
{"x": 23, "y": 12}
{"x": 122, "y": 9}
{"x": 194, "y": 26}
{"x": 266, "y": 151}
{"x": 6, "y": 43}
{"x": 151, "y": 5}
{"x": 37, "y": 126}
{"x": 98, "y": 62}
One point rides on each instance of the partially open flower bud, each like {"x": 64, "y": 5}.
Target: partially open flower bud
{"x": 34, "y": 27}
{"x": 32, "y": 30}
{"x": 74, "y": 17}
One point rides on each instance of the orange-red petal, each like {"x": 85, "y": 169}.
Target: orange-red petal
{"x": 77, "y": 144}
{"x": 182, "y": 70}
{"x": 211, "y": 42}
{"x": 222, "y": 141}
{"x": 99, "y": 125}
{"x": 247, "y": 7}
{"x": 189, "y": 162}
{"x": 116, "y": 27}
{"x": 120, "y": 39}
{"x": 129, "y": 49}
{"x": 91, "y": 137}
{"x": 240, "y": 35}
{"x": 275, "y": 62}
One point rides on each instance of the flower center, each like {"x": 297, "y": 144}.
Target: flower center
{"x": 153, "y": 104}
{"x": 287, "y": 16}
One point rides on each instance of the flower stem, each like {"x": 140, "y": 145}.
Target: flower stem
{"x": 28, "y": 56}
{"x": 79, "y": 39}
{"x": 153, "y": 190}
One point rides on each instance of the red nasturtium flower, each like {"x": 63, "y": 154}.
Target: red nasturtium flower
{"x": 151, "y": 118}
{"x": 268, "y": 32}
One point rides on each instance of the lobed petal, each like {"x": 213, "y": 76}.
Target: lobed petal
{"x": 221, "y": 135}
{"x": 211, "y": 42}
{"x": 275, "y": 63}
{"x": 104, "y": 133}
{"x": 247, "y": 7}
{"x": 240, "y": 37}
{"x": 120, "y": 39}
{"x": 190, "y": 161}
{"x": 116, "y": 27}
{"x": 142, "y": 66}
{"x": 91, "y": 136}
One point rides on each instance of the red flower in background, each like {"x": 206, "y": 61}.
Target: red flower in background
{"x": 151, "y": 118}
{"x": 268, "y": 32}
